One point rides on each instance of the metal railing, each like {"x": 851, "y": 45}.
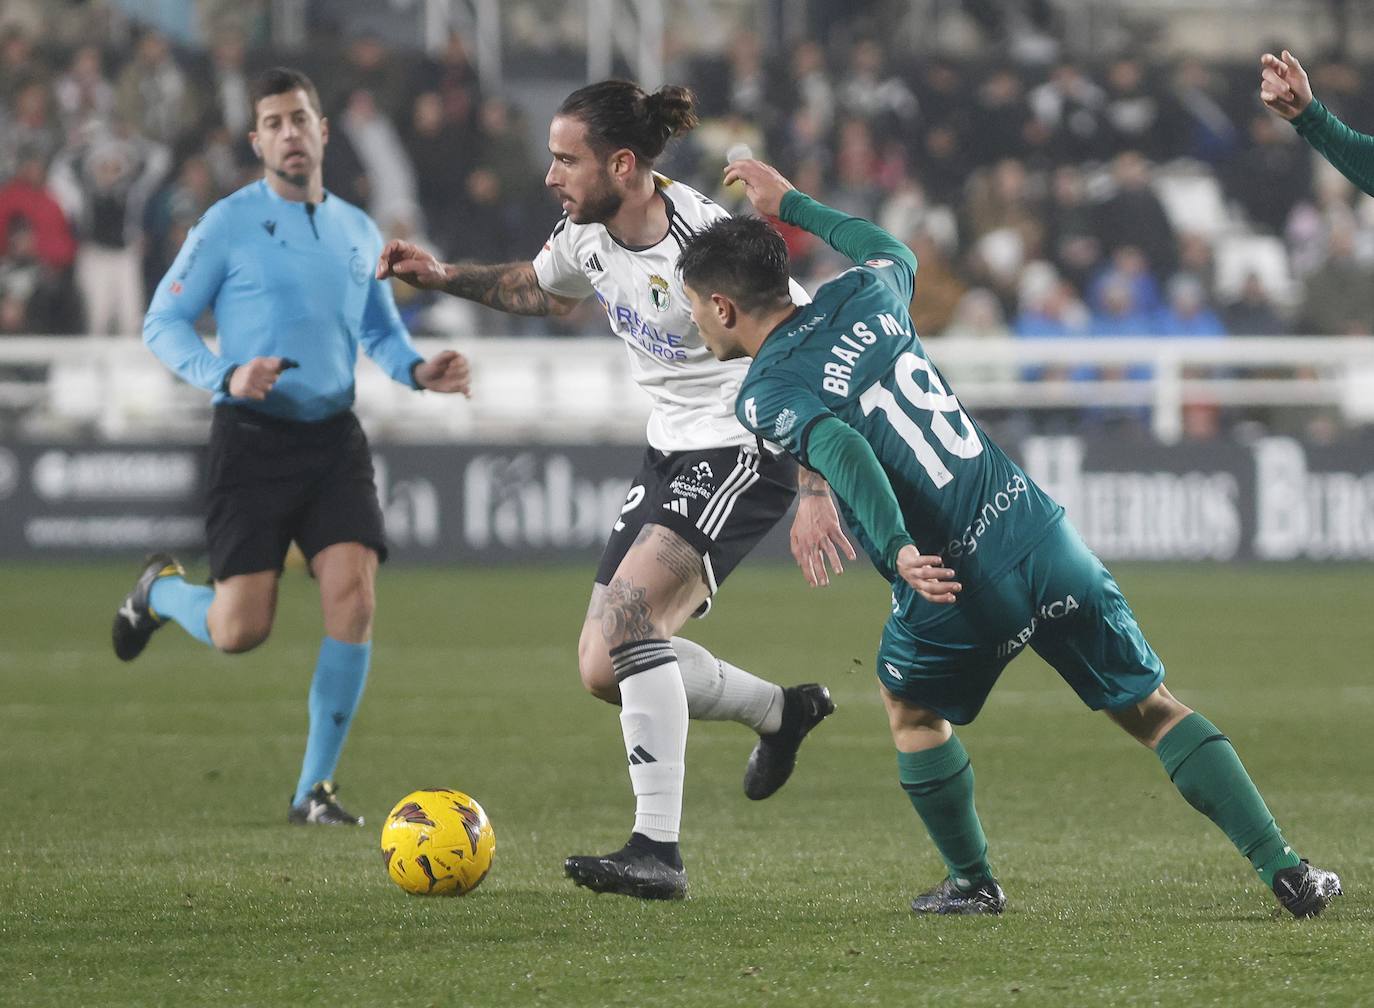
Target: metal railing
{"x": 580, "y": 389}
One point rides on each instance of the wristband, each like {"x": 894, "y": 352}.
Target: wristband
{"x": 228, "y": 377}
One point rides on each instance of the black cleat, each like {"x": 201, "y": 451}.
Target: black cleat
{"x": 986, "y": 897}
{"x": 1306, "y": 891}
{"x": 321, "y": 808}
{"x": 135, "y": 623}
{"x": 775, "y": 756}
{"x": 629, "y": 872}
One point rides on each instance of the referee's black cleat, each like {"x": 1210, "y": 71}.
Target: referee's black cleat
{"x": 983, "y": 897}
{"x": 1305, "y": 891}
{"x": 321, "y": 808}
{"x": 135, "y": 621}
{"x": 775, "y": 756}
{"x": 629, "y": 872}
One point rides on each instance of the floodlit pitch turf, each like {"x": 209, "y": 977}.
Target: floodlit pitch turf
{"x": 146, "y": 857}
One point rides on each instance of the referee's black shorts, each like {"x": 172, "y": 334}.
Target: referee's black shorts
{"x": 272, "y": 481}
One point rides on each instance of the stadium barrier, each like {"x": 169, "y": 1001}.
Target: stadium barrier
{"x": 1274, "y": 499}
{"x": 579, "y": 390}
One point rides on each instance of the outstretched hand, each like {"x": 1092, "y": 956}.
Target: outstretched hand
{"x": 1284, "y": 87}
{"x": 763, "y": 184}
{"x": 412, "y": 264}
{"x": 818, "y": 537}
{"x": 446, "y": 371}
{"x": 933, "y": 581}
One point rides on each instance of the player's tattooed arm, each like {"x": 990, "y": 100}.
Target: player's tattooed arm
{"x": 509, "y": 287}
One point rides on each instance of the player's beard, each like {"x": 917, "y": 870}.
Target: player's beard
{"x": 598, "y": 206}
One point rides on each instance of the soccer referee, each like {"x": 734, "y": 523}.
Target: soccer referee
{"x": 286, "y": 268}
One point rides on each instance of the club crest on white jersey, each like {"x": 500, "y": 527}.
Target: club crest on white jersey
{"x": 693, "y": 394}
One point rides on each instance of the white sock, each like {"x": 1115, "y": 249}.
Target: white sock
{"x": 653, "y": 718}
{"x": 719, "y": 691}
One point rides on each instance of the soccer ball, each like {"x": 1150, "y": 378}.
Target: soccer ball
{"x": 437, "y": 842}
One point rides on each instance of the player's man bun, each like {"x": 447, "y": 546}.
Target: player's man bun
{"x": 673, "y": 109}
{"x": 619, "y": 114}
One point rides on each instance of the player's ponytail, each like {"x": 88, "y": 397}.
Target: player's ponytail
{"x": 619, "y": 114}
{"x": 671, "y": 111}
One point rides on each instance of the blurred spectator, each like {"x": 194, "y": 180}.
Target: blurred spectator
{"x": 978, "y": 315}
{"x": 999, "y": 199}
{"x": 1000, "y": 118}
{"x": 1253, "y": 312}
{"x": 941, "y": 159}
{"x": 26, "y": 196}
{"x": 1339, "y": 298}
{"x": 815, "y": 95}
{"x": 1127, "y": 266}
{"x": 1271, "y": 175}
{"x": 1203, "y": 128}
{"x": 1187, "y": 313}
{"x": 21, "y": 281}
{"x": 173, "y": 211}
{"x": 871, "y": 93}
{"x": 30, "y": 126}
{"x": 1071, "y": 241}
{"x": 1136, "y": 111}
{"x": 154, "y": 94}
{"x": 390, "y": 187}
{"x": 1050, "y": 309}
{"x": 1195, "y": 258}
{"x": 368, "y": 65}
{"x": 104, "y": 184}
{"x": 18, "y": 63}
{"x": 1133, "y": 215}
{"x": 443, "y": 152}
{"x": 940, "y": 288}
{"x": 85, "y": 98}
{"x": 229, "y": 83}
{"x": 1071, "y": 109}
{"x": 855, "y": 190}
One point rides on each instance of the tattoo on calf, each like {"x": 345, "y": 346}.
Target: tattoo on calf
{"x": 627, "y": 615}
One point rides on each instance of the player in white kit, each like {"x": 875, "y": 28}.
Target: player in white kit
{"x": 708, "y": 489}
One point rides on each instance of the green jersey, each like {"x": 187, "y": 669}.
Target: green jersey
{"x": 852, "y": 355}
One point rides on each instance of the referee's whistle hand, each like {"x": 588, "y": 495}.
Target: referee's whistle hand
{"x": 446, "y": 371}
{"x": 410, "y": 263}
{"x": 256, "y": 378}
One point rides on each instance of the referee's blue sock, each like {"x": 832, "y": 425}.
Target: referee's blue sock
{"x": 173, "y": 598}
{"x": 340, "y": 674}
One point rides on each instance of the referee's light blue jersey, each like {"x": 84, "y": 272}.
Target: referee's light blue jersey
{"x": 284, "y": 279}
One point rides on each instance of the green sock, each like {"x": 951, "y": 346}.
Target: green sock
{"x": 939, "y": 783}
{"x": 1207, "y": 772}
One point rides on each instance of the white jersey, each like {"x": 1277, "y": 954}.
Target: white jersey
{"x": 693, "y": 394}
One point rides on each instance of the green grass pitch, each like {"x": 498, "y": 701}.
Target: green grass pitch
{"x": 146, "y": 858}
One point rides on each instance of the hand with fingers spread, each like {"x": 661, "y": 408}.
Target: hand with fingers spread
{"x": 412, "y": 264}
{"x": 1284, "y": 87}
{"x": 928, "y": 575}
{"x": 763, "y": 184}
{"x": 817, "y": 536}
{"x": 256, "y": 378}
{"x": 446, "y": 371}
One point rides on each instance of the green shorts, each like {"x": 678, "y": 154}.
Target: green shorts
{"x": 1061, "y": 602}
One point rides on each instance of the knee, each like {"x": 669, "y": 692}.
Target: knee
{"x": 350, "y": 608}
{"x": 240, "y": 635}
{"x": 1151, "y": 719}
{"x": 594, "y": 669}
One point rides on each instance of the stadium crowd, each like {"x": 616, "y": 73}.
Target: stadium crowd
{"x": 1046, "y": 197}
